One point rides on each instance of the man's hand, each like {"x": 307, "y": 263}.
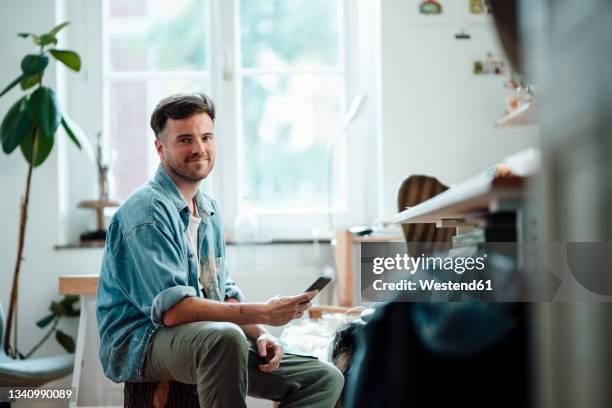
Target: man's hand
{"x": 280, "y": 310}
{"x": 270, "y": 350}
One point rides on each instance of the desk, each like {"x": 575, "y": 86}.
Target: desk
{"x": 349, "y": 289}
{"x": 494, "y": 205}
{"x": 86, "y": 287}
{"x": 470, "y": 199}
{"x": 471, "y": 203}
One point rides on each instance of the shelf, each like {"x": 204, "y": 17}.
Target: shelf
{"x": 98, "y": 204}
{"x": 526, "y": 114}
{"x": 79, "y": 245}
{"x": 477, "y": 195}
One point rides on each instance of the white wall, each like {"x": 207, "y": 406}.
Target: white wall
{"x": 42, "y": 265}
{"x": 437, "y": 116}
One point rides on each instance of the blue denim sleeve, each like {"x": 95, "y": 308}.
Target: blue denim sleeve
{"x": 152, "y": 272}
{"x": 231, "y": 289}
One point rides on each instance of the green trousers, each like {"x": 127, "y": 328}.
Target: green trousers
{"x": 222, "y": 362}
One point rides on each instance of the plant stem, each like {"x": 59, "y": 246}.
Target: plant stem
{"x": 55, "y": 322}
{"x": 22, "y": 229}
{"x": 23, "y": 219}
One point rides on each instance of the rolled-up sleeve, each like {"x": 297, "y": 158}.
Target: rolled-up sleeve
{"x": 231, "y": 289}
{"x": 166, "y": 299}
{"x": 152, "y": 271}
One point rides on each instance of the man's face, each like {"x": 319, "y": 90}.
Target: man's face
{"x": 186, "y": 147}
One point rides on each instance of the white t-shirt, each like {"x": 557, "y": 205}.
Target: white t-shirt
{"x": 207, "y": 270}
{"x": 192, "y": 235}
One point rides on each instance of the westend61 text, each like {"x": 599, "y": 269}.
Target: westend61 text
{"x": 431, "y": 284}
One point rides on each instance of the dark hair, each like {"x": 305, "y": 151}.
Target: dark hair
{"x": 180, "y": 106}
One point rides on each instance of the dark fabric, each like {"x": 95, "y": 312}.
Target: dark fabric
{"x": 392, "y": 368}
{"x": 396, "y": 365}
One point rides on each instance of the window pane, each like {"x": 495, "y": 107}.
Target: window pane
{"x": 132, "y": 8}
{"x": 288, "y": 122}
{"x": 295, "y": 33}
{"x": 130, "y": 140}
{"x": 172, "y": 35}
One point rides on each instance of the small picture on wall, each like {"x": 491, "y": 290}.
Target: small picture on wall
{"x": 476, "y": 11}
{"x": 430, "y": 11}
{"x": 490, "y": 65}
{"x": 478, "y": 7}
{"x": 430, "y": 7}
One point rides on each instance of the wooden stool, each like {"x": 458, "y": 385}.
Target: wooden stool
{"x": 162, "y": 394}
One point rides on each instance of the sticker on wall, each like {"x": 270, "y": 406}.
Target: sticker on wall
{"x": 462, "y": 34}
{"x": 430, "y": 7}
{"x": 430, "y": 11}
{"x": 476, "y": 11}
{"x": 489, "y": 65}
{"x": 478, "y": 7}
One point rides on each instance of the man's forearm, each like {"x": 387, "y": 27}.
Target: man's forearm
{"x": 252, "y": 331}
{"x": 194, "y": 309}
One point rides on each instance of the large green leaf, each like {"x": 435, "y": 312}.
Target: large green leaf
{"x": 15, "y": 126}
{"x": 69, "y": 58}
{"x": 70, "y": 133}
{"x": 42, "y": 150}
{"x": 69, "y": 300}
{"x": 77, "y": 135}
{"x": 72, "y": 312}
{"x": 30, "y": 81}
{"x": 11, "y": 85}
{"x": 33, "y": 64}
{"x": 58, "y": 28}
{"x": 44, "y": 111}
{"x": 65, "y": 340}
{"x": 47, "y": 39}
{"x": 56, "y": 308}
{"x": 45, "y": 320}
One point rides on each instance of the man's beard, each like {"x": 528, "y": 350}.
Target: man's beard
{"x": 189, "y": 172}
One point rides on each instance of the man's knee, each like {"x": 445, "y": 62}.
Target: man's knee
{"x": 229, "y": 336}
{"x": 332, "y": 379}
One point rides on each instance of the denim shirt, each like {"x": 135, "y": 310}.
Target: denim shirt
{"x": 148, "y": 266}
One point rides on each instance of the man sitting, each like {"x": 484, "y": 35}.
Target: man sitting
{"x": 166, "y": 307}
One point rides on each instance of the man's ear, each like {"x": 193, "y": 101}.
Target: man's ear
{"x": 159, "y": 146}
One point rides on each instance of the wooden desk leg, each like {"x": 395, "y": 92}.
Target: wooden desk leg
{"x": 78, "y": 353}
{"x": 344, "y": 267}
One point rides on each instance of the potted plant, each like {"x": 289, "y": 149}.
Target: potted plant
{"x": 31, "y": 124}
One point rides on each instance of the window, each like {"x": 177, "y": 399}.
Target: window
{"x": 277, "y": 72}
{"x": 151, "y": 49}
{"x": 292, "y": 84}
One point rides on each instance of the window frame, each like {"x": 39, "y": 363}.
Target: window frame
{"x": 360, "y": 140}
{"x": 289, "y": 223}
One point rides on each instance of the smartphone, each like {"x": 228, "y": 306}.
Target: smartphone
{"x": 319, "y": 284}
